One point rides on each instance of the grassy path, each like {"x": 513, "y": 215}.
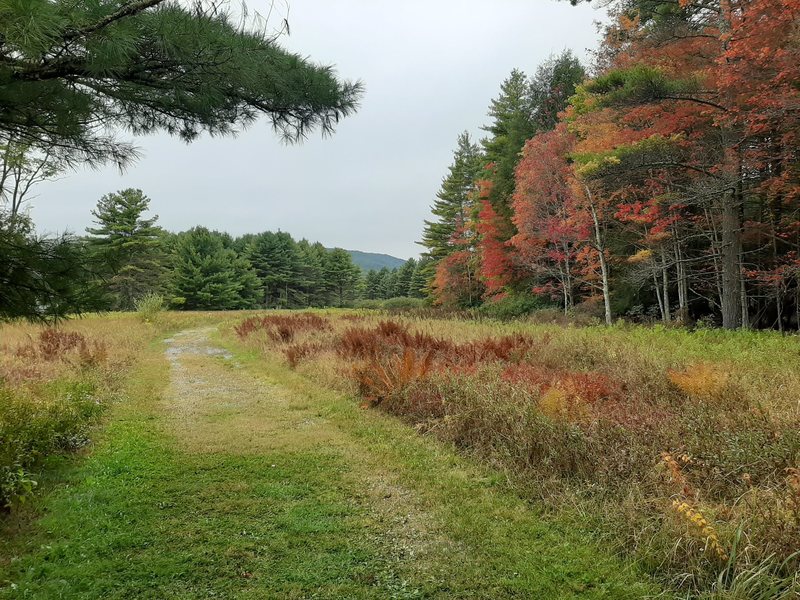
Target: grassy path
{"x": 221, "y": 476}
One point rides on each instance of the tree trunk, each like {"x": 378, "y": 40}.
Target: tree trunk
{"x": 731, "y": 269}
{"x": 658, "y": 297}
{"x": 683, "y": 287}
{"x": 665, "y": 281}
{"x": 601, "y": 250}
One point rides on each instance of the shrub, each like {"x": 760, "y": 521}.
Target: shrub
{"x": 297, "y": 352}
{"x": 56, "y": 417}
{"x": 150, "y": 306}
{"x": 380, "y": 378}
{"x": 282, "y": 328}
{"x": 367, "y": 304}
{"x": 513, "y": 307}
{"x": 401, "y": 304}
{"x": 67, "y": 346}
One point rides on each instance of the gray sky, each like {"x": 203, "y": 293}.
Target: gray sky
{"x": 430, "y": 68}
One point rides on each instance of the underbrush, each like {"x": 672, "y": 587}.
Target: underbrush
{"x": 54, "y": 384}
{"x": 684, "y": 446}
{"x": 35, "y": 423}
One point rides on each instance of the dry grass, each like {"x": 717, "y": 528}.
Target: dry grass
{"x": 685, "y": 445}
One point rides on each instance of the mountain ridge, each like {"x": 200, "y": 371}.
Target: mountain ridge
{"x": 369, "y": 261}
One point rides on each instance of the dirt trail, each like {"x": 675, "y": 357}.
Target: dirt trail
{"x": 214, "y": 406}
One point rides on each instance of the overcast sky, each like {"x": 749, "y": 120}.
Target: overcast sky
{"x": 430, "y": 69}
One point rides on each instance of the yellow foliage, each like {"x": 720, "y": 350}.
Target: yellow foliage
{"x": 703, "y": 381}
{"x": 560, "y": 402}
{"x": 640, "y": 257}
{"x": 700, "y": 526}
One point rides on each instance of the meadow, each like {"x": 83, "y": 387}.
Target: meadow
{"x": 681, "y": 448}
{"x": 630, "y": 461}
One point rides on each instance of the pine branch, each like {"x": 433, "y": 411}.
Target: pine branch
{"x": 126, "y": 11}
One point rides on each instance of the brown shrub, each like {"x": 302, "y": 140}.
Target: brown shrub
{"x": 58, "y": 345}
{"x": 389, "y": 338}
{"x": 282, "y": 328}
{"x": 379, "y": 378}
{"x": 297, "y": 352}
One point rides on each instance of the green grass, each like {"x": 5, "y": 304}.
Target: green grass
{"x": 143, "y": 517}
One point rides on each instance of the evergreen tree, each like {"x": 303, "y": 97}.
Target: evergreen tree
{"x": 128, "y": 246}
{"x": 513, "y": 123}
{"x": 42, "y": 279}
{"x": 552, "y": 87}
{"x": 453, "y": 203}
{"x": 424, "y": 273}
{"x": 342, "y": 277}
{"x": 208, "y": 276}
{"x": 311, "y": 274}
{"x": 404, "y": 275}
{"x": 385, "y": 283}
{"x": 372, "y": 285}
{"x": 276, "y": 260}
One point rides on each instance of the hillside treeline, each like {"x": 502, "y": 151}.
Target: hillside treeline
{"x": 125, "y": 256}
{"x": 661, "y": 184}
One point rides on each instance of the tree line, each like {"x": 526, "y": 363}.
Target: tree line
{"x": 663, "y": 183}
{"x": 202, "y": 269}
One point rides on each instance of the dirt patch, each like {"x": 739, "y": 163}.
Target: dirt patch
{"x": 214, "y": 406}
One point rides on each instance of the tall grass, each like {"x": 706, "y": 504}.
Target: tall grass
{"x": 685, "y": 446}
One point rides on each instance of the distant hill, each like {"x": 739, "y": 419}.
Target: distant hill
{"x": 369, "y": 261}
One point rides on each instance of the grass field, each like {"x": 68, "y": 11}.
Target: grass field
{"x": 241, "y": 458}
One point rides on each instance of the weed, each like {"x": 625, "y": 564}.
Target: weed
{"x": 150, "y": 306}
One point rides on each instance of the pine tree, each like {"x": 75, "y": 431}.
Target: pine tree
{"x": 71, "y": 70}
{"x": 420, "y": 284}
{"x": 513, "y": 123}
{"x": 128, "y": 246}
{"x": 42, "y": 279}
{"x": 311, "y": 275}
{"x": 404, "y": 275}
{"x": 453, "y": 203}
{"x": 387, "y": 283}
{"x": 552, "y": 87}
{"x": 372, "y": 285}
{"x": 276, "y": 260}
{"x": 342, "y": 277}
{"x": 208, "y": 276}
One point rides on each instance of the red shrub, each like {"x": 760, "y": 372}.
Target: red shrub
{"x": 297, "y": 352}
{"x": 389, "y": 337}
{"x": 379, "y": 378}
{"x": 282, "y": 328}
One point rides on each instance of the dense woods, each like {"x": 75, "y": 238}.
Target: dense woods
{"x": 662, "y": 187}
{"x": 202, "y": 269}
